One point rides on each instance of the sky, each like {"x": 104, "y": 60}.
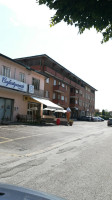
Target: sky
{"x": 25, "y": 31}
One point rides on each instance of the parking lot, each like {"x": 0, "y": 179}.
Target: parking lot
{"x": 23, "y": 140}
{"x": 66, "y": 161}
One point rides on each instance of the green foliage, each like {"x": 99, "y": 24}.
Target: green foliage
{"x": 97, "y": 114}
{"x": 84, "y": 14}
{"x": 105, "y": 114}
{"x": 105, "y": 117}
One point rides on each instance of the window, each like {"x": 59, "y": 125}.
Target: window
{"x": 22, "y": 77}
{"x": 36, "y": 83}
{"x": 46, "y": 94}
{"x": 54, "y": 95}
{"x": 88, "y": 96}
{"x": 80, "y": 102}
{"x": 59, "y": 83}
{"x": 88, "y": 89}
{"x": 76, "y": 101}
{"x": 6, "y": 71}
{"x": 63, "y": 85}
{"x": 80, "y": 92}
{"x": 54, "y": 82}
{"x": 15, "y": 73}
{"x": 47, "y": 80}
{"x": 71, "y": 90}
{"x": 58, "y": 96}
{"x": 72, "y": 100}
{"x": 65, "y": 99}
{"x": 62, "y": 98}
{"x": 77, "y": 91}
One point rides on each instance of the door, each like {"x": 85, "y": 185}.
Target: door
{"x": 6, "y": 111}
{"x": 2, "y": 106}
{"x": 33, "y": 110}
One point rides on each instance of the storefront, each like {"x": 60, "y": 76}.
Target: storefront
{"x": 47, "y": 108}
{"x": 11, "y": 99}
{"x": 6, "y": 109}
{"x": 17, "y": 104}
{"x": 17, "y": 83}
{"x": 33, "y": 111}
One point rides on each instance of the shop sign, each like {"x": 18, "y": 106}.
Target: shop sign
{"x": 13, "y": 84}
{"x": 31, "y": 89}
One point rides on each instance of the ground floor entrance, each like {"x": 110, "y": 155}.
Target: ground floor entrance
{"x": 33, "y": 111}
{"x": 6, "y": 109}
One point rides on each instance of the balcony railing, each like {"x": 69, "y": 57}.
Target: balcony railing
{"x": 59, "y": 101}
{"x": 39, "y": 93}
{"x": 49, "y": 70}
{"x": 59, "y": 88}
{"x": 72, "y": 105}
{"x": 74, "y": 94}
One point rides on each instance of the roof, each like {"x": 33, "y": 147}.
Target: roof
{"x": 53, "y": 61}
{"x": 19, "y": 63}
{"x": 2, "y": 55}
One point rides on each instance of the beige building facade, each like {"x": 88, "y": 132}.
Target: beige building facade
{"x": 18, "y": 87}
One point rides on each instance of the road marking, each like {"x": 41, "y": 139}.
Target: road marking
{"x": 11, "y": 140}
{"x": 11, "y": 154}
{"x": 56, "y": 145}
{"x": 5, "y": 141}
{"x": 5, "y": 138}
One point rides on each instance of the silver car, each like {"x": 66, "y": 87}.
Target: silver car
{"x": 109, "y": 122}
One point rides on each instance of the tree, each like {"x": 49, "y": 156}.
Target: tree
{"x": 84, "y": 14}
{"x": 97, "y": 113}
{"x": 103, "y": 112}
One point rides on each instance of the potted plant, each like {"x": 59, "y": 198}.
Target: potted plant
{"x": 18, "y": 117}
{"x": 71, "y": 122}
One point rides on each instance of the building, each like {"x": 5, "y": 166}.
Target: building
{"x": 62, "y": 86}
{"x": 21, "y": 91}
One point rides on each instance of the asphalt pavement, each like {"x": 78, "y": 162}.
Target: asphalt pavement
{"x": 72, "y": 162}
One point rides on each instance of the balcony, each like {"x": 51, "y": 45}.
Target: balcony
{"x": 48, "y": 70}
{"x": 74, "y": 95}
{"x": 72, "y": 105}
{"x": 59, "y": 88}
{"x": 58, "y": 101}
{"x": 39, "y": 93}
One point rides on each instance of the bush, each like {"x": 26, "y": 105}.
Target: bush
{"x": 106, "y": 117}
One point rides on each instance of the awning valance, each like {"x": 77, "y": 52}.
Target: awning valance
{"x": 61, "y": 111}
{"x": 49, "y": 109}
{"x": 48, "y": 103}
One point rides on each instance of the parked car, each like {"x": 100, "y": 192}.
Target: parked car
{"x": 97, "y": 119}
{"x": 94, "y": 119}
{"x": 109, "y": 122}
{"x": 100, "y": 119}
{"x": 85, "y": 118}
